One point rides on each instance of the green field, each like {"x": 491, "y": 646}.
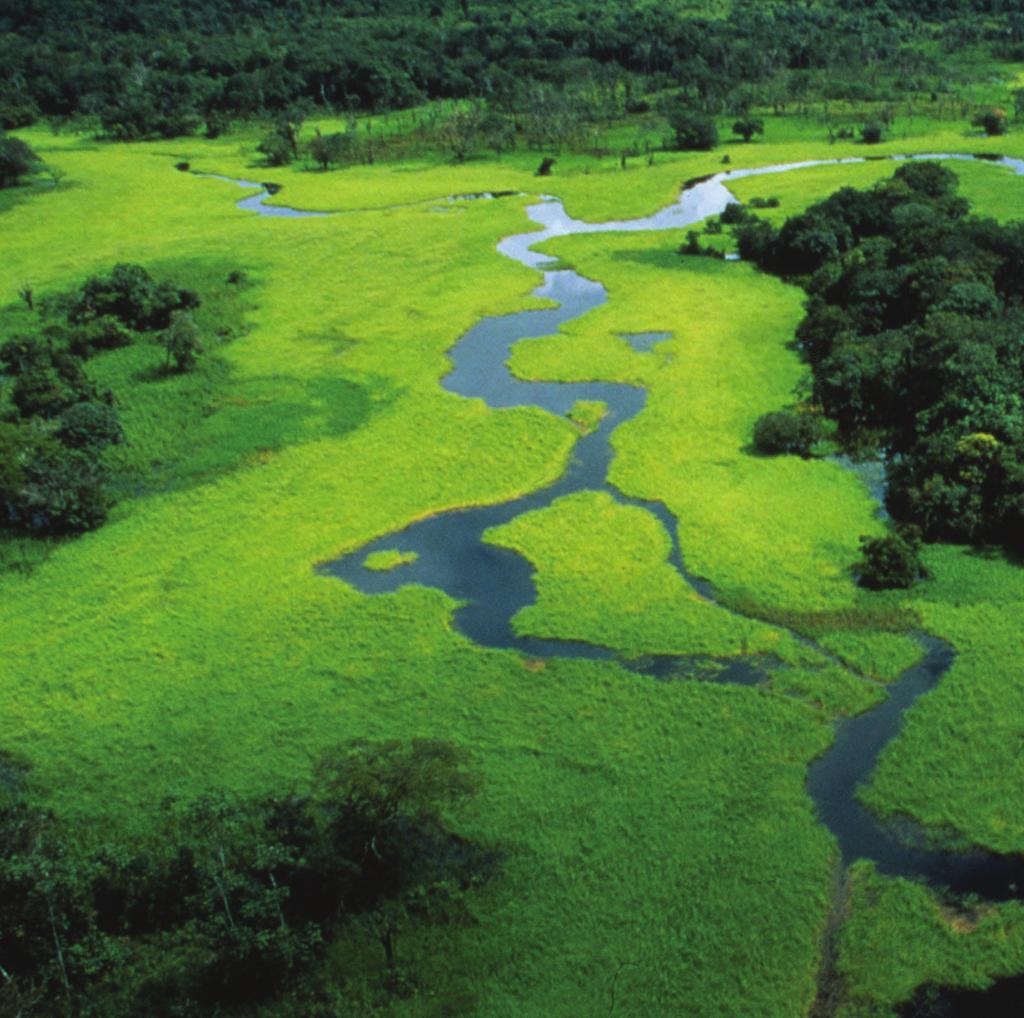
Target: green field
{"x": 663, "y": 855}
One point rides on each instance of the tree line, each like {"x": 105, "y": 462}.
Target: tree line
{"x": 159, "y": 69}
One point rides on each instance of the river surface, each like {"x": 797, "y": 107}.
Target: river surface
{"x": 495, "y": 583}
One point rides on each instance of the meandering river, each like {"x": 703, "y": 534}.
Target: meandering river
{"x": 495, "y": 583}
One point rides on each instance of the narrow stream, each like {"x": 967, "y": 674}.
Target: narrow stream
{"x": 495, "y": 583}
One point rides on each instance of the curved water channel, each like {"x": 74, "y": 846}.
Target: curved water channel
{"x": 494, "y": 583}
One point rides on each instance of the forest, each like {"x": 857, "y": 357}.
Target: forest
{"x": 148, "y": 69}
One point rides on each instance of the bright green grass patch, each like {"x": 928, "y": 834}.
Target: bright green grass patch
{"x": 603, "y": 576}
{"x": 880, "y": 655}
{"x": 899, "y": 936}
{"x": 587, "y": 414}
{"x": 992, "y": 190}
{"x": 386, "y": 559}
{"x": 829, "y": 688}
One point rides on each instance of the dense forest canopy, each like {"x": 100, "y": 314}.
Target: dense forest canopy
{"x": 153, "y": 68}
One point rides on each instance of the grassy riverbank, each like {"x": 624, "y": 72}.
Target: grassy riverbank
{"x": 662, "y": 850}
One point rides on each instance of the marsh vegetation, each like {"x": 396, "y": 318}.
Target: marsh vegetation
{"x": 201, "y": 407}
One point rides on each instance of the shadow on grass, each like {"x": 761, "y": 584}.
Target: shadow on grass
{"x": 247, "y": 425}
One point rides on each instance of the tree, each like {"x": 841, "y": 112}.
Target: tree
{"x": 747, "y": 127}
{"x": 182, "y": 341}
{"x": 786, "y": 431}
{"x": 693, "y": 130}
{"x": 872, "y": 132}
{"x": 131, "y": 295}
{"x": 63, "y": 491}
{"x": 993, "y": 121}
{"x": 17, "y": 160}
{"x": 388, "y": 804}
{"x": 890, "y": 562}
{"x": 330, "y": 148}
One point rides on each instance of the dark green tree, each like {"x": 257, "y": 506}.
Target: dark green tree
{"x": 746, "y": 127}
{"x": 892, "y": 562}
{"x": 182, "y": 342}
{"x": 17, "y": 160}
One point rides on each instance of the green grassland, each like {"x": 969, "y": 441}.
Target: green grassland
{"x": 660, "y": 841}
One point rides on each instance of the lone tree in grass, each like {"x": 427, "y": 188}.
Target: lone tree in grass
{"x": 747, "y": 127}
{"x": 182, "y": 342}
{"x": 892, "y": 562}
{"x": 693, "y": 130}
{"x": 786, "y": 432}
{"x": 330, "y": 148}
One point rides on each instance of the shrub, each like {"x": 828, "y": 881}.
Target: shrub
{"x": 786, "y": 432}
{"x": 892, "y": 562}
{"x": 756, "y": 241}
{"x": 18, "y": 114}
{"x": 59, "y": 490}
{"x": 276, "y": 149}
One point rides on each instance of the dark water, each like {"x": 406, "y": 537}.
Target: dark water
{"x": 495, "y": 583}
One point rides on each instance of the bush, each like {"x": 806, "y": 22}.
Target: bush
{"x": 103, "y": 333}
{"x": 276, "y": 149}
{"x": 693, "y": 130}
{"x": 18, "y": 114}
{"x": 892, "y": 562}
{"x": 764, "y": 203}
{"x": 756, "y": 241}
{"x": 786, "y": 432}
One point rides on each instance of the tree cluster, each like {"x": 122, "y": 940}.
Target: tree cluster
{"x": 232, "y": 900}
{"x": 915, "y": 336}
{"x": 55, "y": 422}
